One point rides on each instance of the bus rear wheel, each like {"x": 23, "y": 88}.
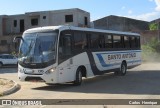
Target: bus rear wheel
{"x": 123, "y": 69}
{"x": 78, "y": 79}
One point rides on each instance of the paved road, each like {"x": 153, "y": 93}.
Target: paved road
{"x": 142, "y": 82}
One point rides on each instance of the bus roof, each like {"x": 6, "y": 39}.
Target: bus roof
{"x": 63, "y": 27}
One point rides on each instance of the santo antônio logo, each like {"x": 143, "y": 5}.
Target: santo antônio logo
{"x": 121, "y": 56}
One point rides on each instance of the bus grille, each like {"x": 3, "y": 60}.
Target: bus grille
{"x": 34, "y": 74}
{"x": 34, "y": 79}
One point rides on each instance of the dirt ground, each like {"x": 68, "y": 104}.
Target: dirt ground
{"x": 141, "y": 82}
{"x": 5, "y": 85}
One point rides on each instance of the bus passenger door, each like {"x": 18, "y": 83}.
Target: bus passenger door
{"x": 65, "y": 61}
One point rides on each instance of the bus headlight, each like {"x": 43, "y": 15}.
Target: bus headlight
{"x": 50, "y": 70}
{"x": 20, "y": 70}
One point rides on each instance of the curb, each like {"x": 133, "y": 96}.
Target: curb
{"x": 12, "y": 89}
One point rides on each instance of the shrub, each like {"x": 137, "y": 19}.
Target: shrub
{"x": 153, "y": 26}
{"x": 151, "y": 51}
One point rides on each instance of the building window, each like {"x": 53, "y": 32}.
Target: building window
{"x": 22, "y": 25}
{"x": 34, "y": 21}
{"x": 69, "y": 18}
{"x": 3, "y": 42}
{"x": 44, "y": 17}
{"x": 86, "y": 21}
{"x": 15, "y": 23}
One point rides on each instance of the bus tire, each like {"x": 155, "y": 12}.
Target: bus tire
{"x": 123, "y": 69}
{"x": 78, "y": 79}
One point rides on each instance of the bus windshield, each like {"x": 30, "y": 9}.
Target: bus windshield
{"x": 38, "y": 48}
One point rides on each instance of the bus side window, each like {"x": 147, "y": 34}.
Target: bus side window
{"x": 139, "y": 42}
{"x": 94, "y": 41}
{"x": 65, "y": 47}
{"x": 84, "y": 41}
{"x": 137, "y": 39}
{"x": 133, "y": 42}
{"x": 108, "y": 41}
{"x": 101, "y": 41}
{"x": 126, "y": 42}
{"x": 80, "y": 41}
{"x": 122, "y": 42}
{"x": 117, "y": 41}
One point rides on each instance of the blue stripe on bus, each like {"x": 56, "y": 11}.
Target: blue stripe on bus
{"x": 103, "y": 62}
{"x": 109, "y": 65}
{"x": 120, "y": 52}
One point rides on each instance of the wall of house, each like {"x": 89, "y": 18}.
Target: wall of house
{"x": 9, "y": 46}
{"x": 81, "y": 18}
{"x": 58, "y": 18}
{"x": 43, "y": 19}
{"x": 120, "y": 24}
{"x": 16, "y": 29}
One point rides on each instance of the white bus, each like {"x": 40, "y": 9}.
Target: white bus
{"x": 60, "y": 54}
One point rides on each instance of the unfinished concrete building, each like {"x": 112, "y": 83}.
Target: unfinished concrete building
{"x": 14, "y": 25}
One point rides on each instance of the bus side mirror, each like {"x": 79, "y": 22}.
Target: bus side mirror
{"x": 17, "y": 38}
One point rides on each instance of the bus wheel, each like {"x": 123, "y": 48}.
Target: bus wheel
{"x": 78, "y": 79}
{"x": 123, "y": 69}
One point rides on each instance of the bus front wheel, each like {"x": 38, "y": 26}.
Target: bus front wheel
{"x": 78, "y": 79}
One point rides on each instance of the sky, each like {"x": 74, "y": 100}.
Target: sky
{"x": 147, "y": 10}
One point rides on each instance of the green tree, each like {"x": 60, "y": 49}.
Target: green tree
{"x": 153, "y": 26}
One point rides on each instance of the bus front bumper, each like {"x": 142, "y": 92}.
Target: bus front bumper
{"x": 47, "y": 78}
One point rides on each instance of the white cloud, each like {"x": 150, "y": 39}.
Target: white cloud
{"x": 147, "y": 16}
{"x": 158, "y": 5}
{"x": 130, "y": 12}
